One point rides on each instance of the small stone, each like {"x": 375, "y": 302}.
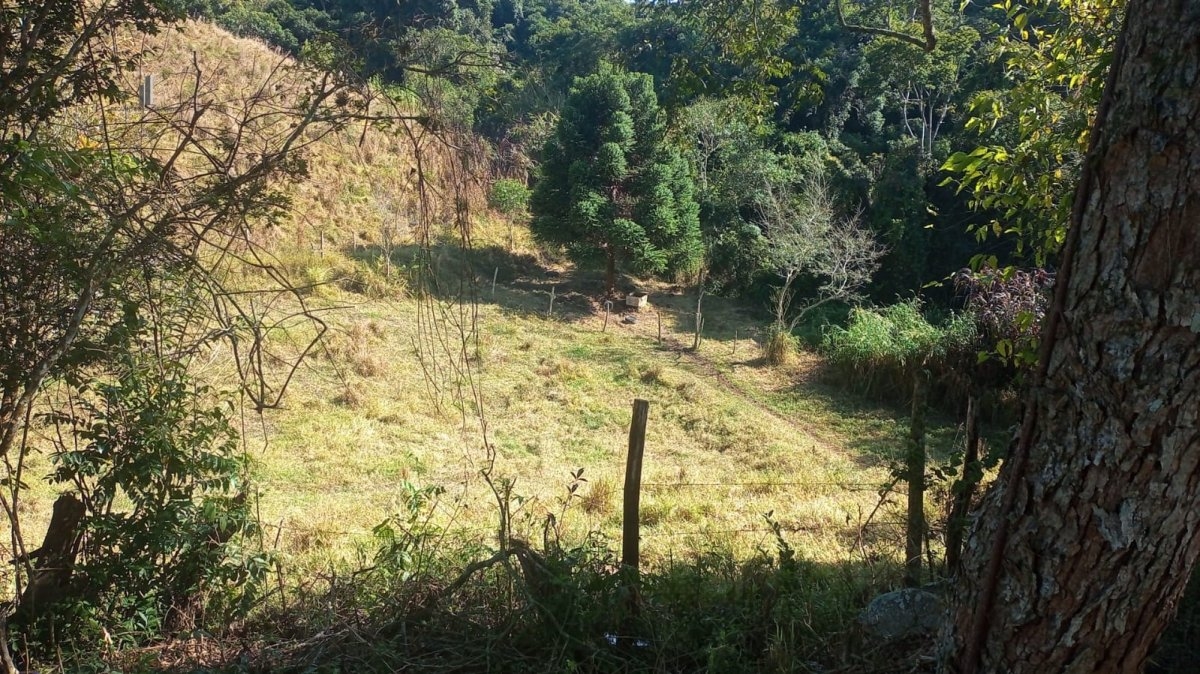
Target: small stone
{"x": 629, "y": 319}
{"x": 904, "y": 613}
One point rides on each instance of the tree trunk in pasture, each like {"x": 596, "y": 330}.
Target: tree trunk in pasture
{"x": 1088, "y": 538}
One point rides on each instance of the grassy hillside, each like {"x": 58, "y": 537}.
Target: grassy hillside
{"x": 454, "y": 357}
{"x": 387, "y": 402}
{"x": 431, "y": 388}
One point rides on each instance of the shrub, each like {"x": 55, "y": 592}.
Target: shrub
{"x": 1008, "y": 306}
{"x": 155, "y": 460}
{"x": 779, "y": 345}
{"x": 509, "y": 196}
{"x": 879, "y": 349}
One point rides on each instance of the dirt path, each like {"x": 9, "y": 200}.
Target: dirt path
{"x": 675, "y": 307}
{"x": 705, "y": 366}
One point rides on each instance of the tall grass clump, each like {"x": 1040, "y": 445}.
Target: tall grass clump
{"x": 878, "y": 351}
{"x": 779, "y": 345}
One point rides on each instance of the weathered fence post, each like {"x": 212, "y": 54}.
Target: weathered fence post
{"x": 385, "y": 232}
{"x": 630, "y": 535}
{"x": 607, "y": 310}
{"x": 915, "y": 469}
{"x": 552, "y": 291}
{"x": 146, "y": 92}
{"x": 964, "y": 488}
{"x": 494, "y": 275}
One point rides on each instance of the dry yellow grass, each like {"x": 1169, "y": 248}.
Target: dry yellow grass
{"x": 383, "y": 404}
{"x": 556, "y": 393}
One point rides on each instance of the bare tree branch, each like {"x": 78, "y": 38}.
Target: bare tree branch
{"x": 927, "y": 42}
{"x": 808, "y": 239}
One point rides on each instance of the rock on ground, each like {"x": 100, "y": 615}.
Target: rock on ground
{"x": 904, "y": 613}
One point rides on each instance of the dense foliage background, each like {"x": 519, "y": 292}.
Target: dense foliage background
{"x": 788, "y": 91}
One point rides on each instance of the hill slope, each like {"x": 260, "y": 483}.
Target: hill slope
{"x": 417, "y": 390}
{"x": 431, "y": 376}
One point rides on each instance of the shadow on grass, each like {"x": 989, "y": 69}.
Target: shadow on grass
{"x": 724, "y": 319}
{"x": 523, "y": 283}
{"x": 517, "y": 282}
{"x": 872, "y": 428}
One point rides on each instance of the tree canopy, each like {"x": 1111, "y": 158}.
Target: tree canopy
{"x": 610, "y": 189}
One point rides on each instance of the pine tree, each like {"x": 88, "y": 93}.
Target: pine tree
{"x": 610, "y": 190}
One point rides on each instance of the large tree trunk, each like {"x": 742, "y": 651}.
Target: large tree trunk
{"x": 1087, "y": 540}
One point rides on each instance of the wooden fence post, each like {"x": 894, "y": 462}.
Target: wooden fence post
{"x": 630, "y": 536}
{"x": 552, "y": 291}
{"x": 494, "y": 275}
{"x": 146, "y": 92}
{"x": 964, "y": 488}
{"x": 915, "y": 459}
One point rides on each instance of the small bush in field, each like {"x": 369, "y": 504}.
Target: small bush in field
{"x": 879, "y": 349}
{"x": 509, "y": 196}
{"x": 779, "y": 346}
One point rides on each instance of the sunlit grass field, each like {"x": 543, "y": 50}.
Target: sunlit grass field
{"x": 531, "y": 399}
{"x": 412, "y": 388}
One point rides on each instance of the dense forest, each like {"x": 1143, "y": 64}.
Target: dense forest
{"x": 319, "y": 321}
{"x": 760, "y": 98}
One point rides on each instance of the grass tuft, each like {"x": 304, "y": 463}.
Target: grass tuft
{"x": 600, "y": 499}
{"x": 779, "y": 347}
{"x": 655, "y": 374}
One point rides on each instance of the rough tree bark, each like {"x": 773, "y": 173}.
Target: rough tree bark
{"x": 1087, "y": 540}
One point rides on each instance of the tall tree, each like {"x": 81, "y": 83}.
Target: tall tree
{"x": 610, "y": 189}
{"x": 1086, "y": 541}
